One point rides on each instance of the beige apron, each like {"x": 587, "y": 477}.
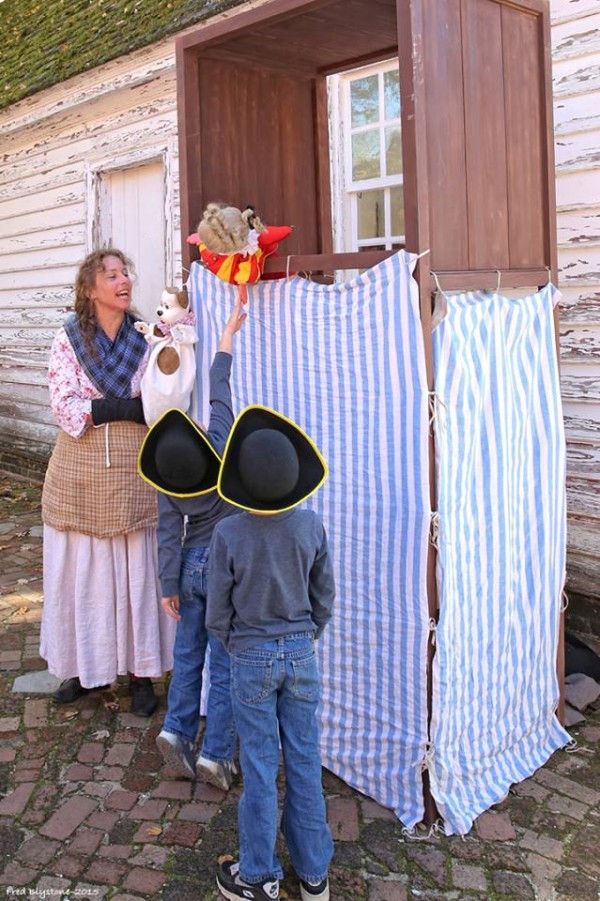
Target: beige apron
{"x": 92, "y": 485}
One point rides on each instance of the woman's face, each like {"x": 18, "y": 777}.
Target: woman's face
{"x": 112, "y": 289}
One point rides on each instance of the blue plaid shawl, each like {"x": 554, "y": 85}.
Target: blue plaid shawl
{"x": 116, "y": 362}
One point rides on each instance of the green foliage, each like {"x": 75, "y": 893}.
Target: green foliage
{"x": 45, "y": 43}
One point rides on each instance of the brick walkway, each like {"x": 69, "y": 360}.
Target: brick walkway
{"x": 88, "y": 811}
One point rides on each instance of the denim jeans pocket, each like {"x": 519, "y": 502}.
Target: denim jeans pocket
{"x": 251, "y": 679}
{"x": 194, "y": 570}
{"x": 306, "y": 677}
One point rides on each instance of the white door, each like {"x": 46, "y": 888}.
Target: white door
{"x": 131, "y": 217}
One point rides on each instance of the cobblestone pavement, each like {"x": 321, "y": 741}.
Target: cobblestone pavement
{"x": 88, "y": 811}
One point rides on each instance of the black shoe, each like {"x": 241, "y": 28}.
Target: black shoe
{"x": 309, "y": 892}
{"x": 71, "y": 690}
{"x": 232, "y": 886}
{"x": 143, "y": 700}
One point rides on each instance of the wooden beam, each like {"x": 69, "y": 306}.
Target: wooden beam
{"x": 326, "y": 262}
{"x": 550, "y": 173}
{"x": 449, "y": 280}
{"x": 188, "y": 117}
{"x": 239, "y": 23}
{"x": 488, "y": 279}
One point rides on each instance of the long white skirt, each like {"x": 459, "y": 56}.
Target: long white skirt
{"x": 102, "y": 616}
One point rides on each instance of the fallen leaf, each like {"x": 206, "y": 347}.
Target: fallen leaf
{"x": 21, "y": 611}
{"x": 153, "y": 830}
{"x": 22, "y": 581}
{"x": 70, "y": 714}
{"x": 101, "y": 734}
{"x": 111, "y": 705}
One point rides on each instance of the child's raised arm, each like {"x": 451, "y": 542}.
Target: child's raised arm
{"x": 234, "y": 324}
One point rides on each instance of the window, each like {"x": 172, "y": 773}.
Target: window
{"x": 366, "y": 152}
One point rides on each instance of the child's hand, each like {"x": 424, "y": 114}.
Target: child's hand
{"x": 234, "y": 324}
{"x": 171, "y": 606}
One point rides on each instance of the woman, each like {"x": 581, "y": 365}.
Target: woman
{"x": 101, "y": 614}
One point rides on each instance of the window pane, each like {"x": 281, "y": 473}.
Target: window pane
{"x": 364, "y": 100}
{"x": 391, "y": 88}
{"x": 365, "y": 155}
{"x": 371, "y": 214}
{"x": 393, "y": 151}
{"x": 397, "y": 203}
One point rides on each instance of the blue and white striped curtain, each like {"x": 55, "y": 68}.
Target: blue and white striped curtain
{"x": 500, "y": 464}
{"x": 346, "y": 363}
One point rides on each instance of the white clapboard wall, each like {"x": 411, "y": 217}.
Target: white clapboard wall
{"x": 87, "y": 163}
{"x": 576, "y": 79}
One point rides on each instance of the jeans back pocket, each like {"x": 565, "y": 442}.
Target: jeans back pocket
{"x": 306, "y": 677}
{"x": 251, "y": 679}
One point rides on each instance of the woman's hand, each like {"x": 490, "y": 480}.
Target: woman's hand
{"x": 234, "y": 324}
{"x": 171, "y": 606}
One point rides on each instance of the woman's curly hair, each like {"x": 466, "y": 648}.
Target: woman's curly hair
{"x": 84, "y": 282}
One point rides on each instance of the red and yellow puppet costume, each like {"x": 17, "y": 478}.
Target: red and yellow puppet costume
{"x": 243, "y": 268}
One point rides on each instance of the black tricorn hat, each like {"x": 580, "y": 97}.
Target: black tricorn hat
{"x": 177, "y": 458}
{"x": 269, "y": 464}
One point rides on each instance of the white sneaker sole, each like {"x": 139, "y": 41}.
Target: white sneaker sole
{"x": 225, "y": 893}
{"x": 322, "y": 896}
{"x": 214, "y": 779}
{"x": 231, "y": 896}
{"x": 173, "y": 759}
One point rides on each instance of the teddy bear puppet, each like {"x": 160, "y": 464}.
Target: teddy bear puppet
{"x": 175, "y": 319}
{"x": 234, "y": 244}
{"x": 171, "y": 371}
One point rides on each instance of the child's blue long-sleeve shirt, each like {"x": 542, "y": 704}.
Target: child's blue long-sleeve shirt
{"x": 268, "y": 577}
{"x": 203, "y": 512}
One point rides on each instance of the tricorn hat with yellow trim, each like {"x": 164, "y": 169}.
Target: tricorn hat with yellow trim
{"x": 177, "y": 458}
{"x": 269, "y": 464}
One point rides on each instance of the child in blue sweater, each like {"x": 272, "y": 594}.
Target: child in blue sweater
{"x": 270, "y": 595}
{"x": 182, "y": 461}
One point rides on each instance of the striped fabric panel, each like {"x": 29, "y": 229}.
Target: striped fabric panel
{"x": 500, "y": 463}
{"x": 346, "y": 363}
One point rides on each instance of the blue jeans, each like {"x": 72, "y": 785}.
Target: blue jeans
{"x": 275, "y": 692}
{"x": 189, "y": 653}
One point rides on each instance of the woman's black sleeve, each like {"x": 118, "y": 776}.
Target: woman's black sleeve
{"x": 113, "y": 409}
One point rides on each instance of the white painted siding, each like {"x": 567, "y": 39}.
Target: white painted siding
{"x": 54, "y": 145}
{"x": 576, "y": 77}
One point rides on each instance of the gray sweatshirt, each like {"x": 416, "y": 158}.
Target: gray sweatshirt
{"x": 173, "y": 531}
{"x": 268, "y": 576}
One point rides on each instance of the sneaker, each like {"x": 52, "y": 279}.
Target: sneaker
{"x": 314, "y": 892}
{"x": 71, "y": 690}
{"x": 232, "y": 886}
{"x": 178, "y": 753}
{"x": 143, "y": 700}
{"x": 218, "y": 772}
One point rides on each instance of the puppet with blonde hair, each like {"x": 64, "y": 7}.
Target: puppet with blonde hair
{"x": 234, "y": 244}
